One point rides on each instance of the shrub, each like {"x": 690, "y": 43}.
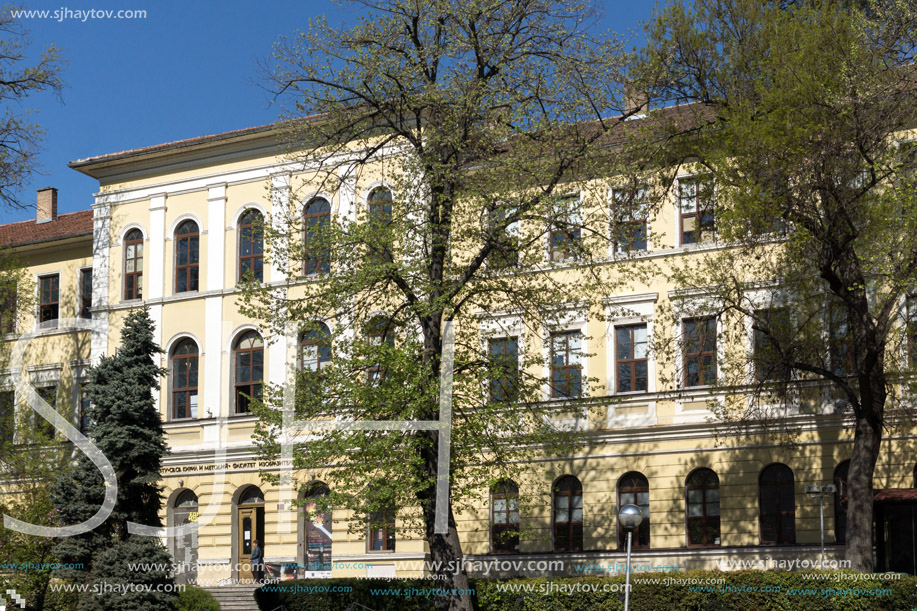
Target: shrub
{"x": 196, "y": 599}
{"x": 742, "y": 591}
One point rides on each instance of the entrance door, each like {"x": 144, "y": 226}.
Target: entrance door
{"x": 250, "y": 526}
{"x": 248, "y": 532}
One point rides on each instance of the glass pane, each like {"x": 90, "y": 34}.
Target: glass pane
{"x": 624, "y": 378}
{"x": 576, "y": 501}
{"x": 561, "y": 515}
{"x": 627, "y": 498}
{"x": 499, "y": 518}
{"x": 695, "y": 496}
{"x": 624, "y": 349}
{"x": 695, "y": 510}
{"x": 713, "y": 509}
{"x": 643, "y": 499}
{"x": 561, "y": 502}
{"x": 514, "y": 517}
{"x": 713, "y": 495}
{"x": 499, "y": 504}
{"x": 640, "y": 350}
{"x": 577, "y": 515}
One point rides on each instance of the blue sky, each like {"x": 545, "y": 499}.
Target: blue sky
{"x": 187, "y": 69}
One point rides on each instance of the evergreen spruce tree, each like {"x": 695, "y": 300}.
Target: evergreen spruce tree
{"x": 126, "y": 427}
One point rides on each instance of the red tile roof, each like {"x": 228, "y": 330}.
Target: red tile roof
{"x": 67, "y": 225}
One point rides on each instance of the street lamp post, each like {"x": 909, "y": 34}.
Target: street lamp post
{"x": 813, "y": 490}
{"x": 630, "y": 517}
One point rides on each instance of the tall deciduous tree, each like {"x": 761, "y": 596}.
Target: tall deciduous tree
{"x": 483, "y": 121}
{"x": 20, "y": 77}
{"x": 127, "y": 429}
{"x": 800, "y": 115}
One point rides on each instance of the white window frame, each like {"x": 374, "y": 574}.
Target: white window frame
{"x": 497, "y": 326}
{"x": 613, "y": 250}
{"x": 697, "y": 176}
{"x": 626, "y": 311}
{"x": 569, "y": 317}
{"x": 578, "y": 216}
{"x": 762, "y": 299}
{"x": 689, "y": 304}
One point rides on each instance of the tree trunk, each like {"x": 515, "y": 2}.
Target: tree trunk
{"x": 866, "y": 444}
{"x": 446, "y": 559}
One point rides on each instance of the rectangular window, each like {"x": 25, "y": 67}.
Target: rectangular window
{"x": 86, "y": 293}
{"x": 696, "y": 218}
{"x": 772, "y": 324}
{"x": 565, "y": 230}
{"x": 699, "y": 336}
{"x": 382, "y": 532}
{"x": 629, "y": 217}
{"x": 7, "y": 416}
{"x": 41, "y": 428}
{"x": 9, "y": 298}
{"x": 48, "y": 301}
{"x": 566, "y": 364}
{"x": 631, "y": 358}
{"x": 504, "y": 363}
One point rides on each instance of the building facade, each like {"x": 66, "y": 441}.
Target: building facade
{"x": 171, "y": 230}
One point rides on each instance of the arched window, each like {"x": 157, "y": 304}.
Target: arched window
{"x": 634, "y": 489}
{"x": 504, "y": 517}
{"x": 184, "y": 363}
{"x": 187, "y": 257}
{"x": 248, "y": 360}
{"x": 777, "y": 502}
{"x": 380, "y": 219}
{"x": 315, "y": 348}
{"x": 317, "y": 219}
{"x": 840, "y": 501}
{"x": 317, "y": 529}
{"x": 380, "y": 332}
{"x": 568, "y": 515}
{"x": 133, "y": 265}
{"x": 251, "y": 246}
{"x": 702, "y": 501}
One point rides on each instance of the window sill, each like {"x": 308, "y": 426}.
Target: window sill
{"x": 380, "y": 551}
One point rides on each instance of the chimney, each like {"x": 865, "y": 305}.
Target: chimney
{"x": 47, "y": 204}
{"x": 635, "y": 101}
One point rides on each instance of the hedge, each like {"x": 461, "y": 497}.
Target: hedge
{"x": 741, "y": 591}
